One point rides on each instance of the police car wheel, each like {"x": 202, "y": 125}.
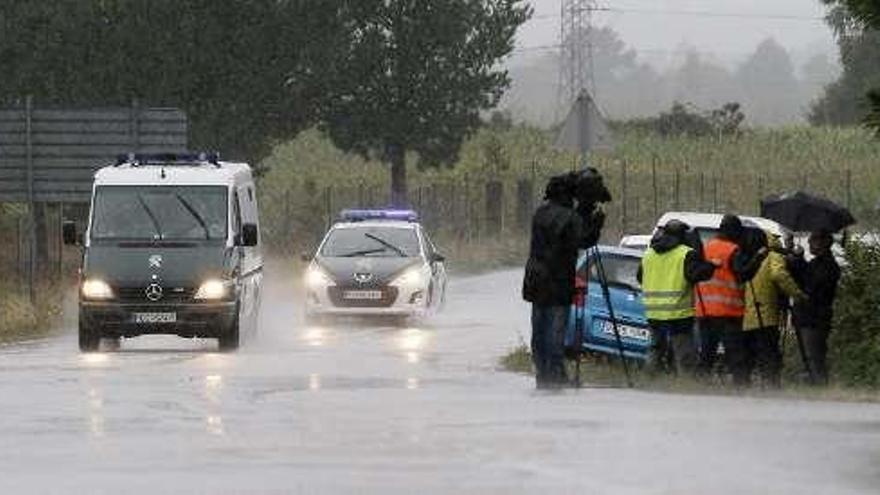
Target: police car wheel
{"x": 89, "y": 338}
{"x": 229, "y": 340}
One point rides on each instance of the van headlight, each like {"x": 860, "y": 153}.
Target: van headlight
{"x": 412, "y": 277}
{"x": 214, "y": 290}
{"x": 316, "y": 277}
{"x": 94, "y": 288}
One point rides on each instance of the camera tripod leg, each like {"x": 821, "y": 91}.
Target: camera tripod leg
{"x": 603, "y": 281}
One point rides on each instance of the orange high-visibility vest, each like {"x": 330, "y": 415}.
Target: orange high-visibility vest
{"x": 722, "y": 296}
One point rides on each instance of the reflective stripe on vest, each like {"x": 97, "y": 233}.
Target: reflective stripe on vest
{"x": 722, "y": 295}
{"x": 666, "y": 293}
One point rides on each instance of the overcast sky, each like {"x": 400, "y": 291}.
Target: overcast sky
{"x": 661, "y": 30}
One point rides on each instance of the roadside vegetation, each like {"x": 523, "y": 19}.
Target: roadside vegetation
{"x": 854, "y": 347}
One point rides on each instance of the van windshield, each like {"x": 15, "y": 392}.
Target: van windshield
{"x": 160, "y": 213}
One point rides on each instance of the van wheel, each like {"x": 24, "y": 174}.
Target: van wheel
{"x": 89, "y": 338}
{"x": 229, "y": 340}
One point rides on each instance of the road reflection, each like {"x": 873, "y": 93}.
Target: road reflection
{"x": 96, "y": 413}
{"x": 213, "y": 389}
{"x": 413, "y": 342}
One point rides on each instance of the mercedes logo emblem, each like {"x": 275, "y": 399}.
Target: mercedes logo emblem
{"x": 363, "y": 278}
{"x": 154, "y": 292}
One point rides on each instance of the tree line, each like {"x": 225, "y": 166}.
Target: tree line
{"x": 384, "y": 78}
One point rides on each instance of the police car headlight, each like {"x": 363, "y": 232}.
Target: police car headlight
{"x": 317, "y": 277}
{"x": 412, "y": 277}
{"x": 213, "y": 290}
{"x": 96, "y": 289}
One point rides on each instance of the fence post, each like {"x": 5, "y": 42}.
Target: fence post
{"x": 623, "y": 179}
{"x": 676, "y": 188}
{"x": 848, "y": 189}
{"x": 714, "y": 193}
{"x": 654, "y": 185}
{"x": 328, "y": 206}
{"x": 525, "y": 201}
{"x": 702, "y": 191}
{"x": 29, "y": 162}
{"x": 494, "y": 200}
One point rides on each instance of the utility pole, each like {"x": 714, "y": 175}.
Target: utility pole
{"x": 576, "y": 50}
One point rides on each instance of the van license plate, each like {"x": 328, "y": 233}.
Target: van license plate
{"x": 363, "y": 295}
{"x": 154, "y": 318}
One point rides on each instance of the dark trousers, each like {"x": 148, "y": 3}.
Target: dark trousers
{"x": 815, "y": 339}
{"x": 548, "y": 340}
{"x": 747, "y": 349}
{"x": 712, "y": 332}
{"x": 672, "y": 350}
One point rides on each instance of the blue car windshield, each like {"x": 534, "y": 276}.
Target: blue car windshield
{"x": 620, "y": 271}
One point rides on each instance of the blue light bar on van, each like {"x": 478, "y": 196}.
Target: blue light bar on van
{"x": 359, "y": 215}
{"x": 168, "y": 158}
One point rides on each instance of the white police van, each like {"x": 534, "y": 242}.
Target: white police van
{"x": 375, "y": 263}
{"x": 171, "y": 247}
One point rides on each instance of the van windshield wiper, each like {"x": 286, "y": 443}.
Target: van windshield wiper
{"x": 194, "y": 213}
{"x": 386, "y": 244}
{"x": 362, "y": 252}
{"x": 151, "y": 215}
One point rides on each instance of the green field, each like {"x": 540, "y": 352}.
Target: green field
{"x": 308, "y": 180}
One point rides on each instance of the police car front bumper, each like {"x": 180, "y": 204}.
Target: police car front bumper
{"x": 379, "y": 301}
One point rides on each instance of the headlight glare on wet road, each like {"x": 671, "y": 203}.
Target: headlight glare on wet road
{"x": 213, "y": 290}
{"x": 96, "y": 289}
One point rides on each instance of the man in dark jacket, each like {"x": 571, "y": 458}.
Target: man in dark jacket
{"x": 668, "y": 272}
{"x": 818, "y": 279}
{"x": 558, "y": 232}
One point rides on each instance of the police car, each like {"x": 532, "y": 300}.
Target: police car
{"x": 375, "y": 263}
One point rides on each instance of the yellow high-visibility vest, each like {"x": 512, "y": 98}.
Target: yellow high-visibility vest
{"x": 666, "y": 293}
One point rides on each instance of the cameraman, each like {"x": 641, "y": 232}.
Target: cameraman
{"x": 558, "y": 232}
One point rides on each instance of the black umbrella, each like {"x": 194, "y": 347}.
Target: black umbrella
{"x": 803, "y": 212}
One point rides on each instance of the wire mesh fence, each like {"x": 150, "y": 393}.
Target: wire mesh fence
{"x": 479, "y": 208}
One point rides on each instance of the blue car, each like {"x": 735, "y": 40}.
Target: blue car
{"x": 593, "y": 319}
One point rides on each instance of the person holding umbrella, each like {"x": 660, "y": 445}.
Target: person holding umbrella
{"x": 803, "y": 212}
{"x": 818, "y": 278}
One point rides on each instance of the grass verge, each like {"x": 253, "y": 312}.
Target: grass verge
{"x": 22, "y": 320}
{"x": 601, "y": 371}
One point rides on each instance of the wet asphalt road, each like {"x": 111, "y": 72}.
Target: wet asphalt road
{"x": 386, "y": 410}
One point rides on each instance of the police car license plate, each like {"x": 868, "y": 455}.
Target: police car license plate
{"x": 155, "y": 318}
{"x": 627, "y": 331}
{"x": 362, "y": 295}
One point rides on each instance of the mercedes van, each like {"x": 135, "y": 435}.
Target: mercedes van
{"x": 171, "y": 247}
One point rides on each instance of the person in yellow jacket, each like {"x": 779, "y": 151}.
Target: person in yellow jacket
{"x": 758, "y": 344}
{"x": 668, "y": 272}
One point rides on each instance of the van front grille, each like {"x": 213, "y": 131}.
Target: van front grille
{"x": 169, "y": 295}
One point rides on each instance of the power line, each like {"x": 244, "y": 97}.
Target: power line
{"x": 694, "y": 13}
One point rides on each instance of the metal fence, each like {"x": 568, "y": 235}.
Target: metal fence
{"x": 477, "y": 209}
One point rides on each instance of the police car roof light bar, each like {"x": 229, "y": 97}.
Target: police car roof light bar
{"x": 360, "y": 215}
{"x": 168, "y": 159}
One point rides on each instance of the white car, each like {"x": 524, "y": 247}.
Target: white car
{"x": 638, "y": 242}
{"x": 707, "y": 224}
{"x": 376, "y": 263}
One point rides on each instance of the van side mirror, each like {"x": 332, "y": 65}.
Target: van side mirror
{"x": 68, "y": 232}
{"x": 248, "y": 237}
{"x": 305, "y": 257}
{"x": 438, "y": 258}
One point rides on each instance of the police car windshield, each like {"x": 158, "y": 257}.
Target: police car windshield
{"x": 372, "y": 241}
{"x": 157, "y": 213}
{"x": 620, "y": 271}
